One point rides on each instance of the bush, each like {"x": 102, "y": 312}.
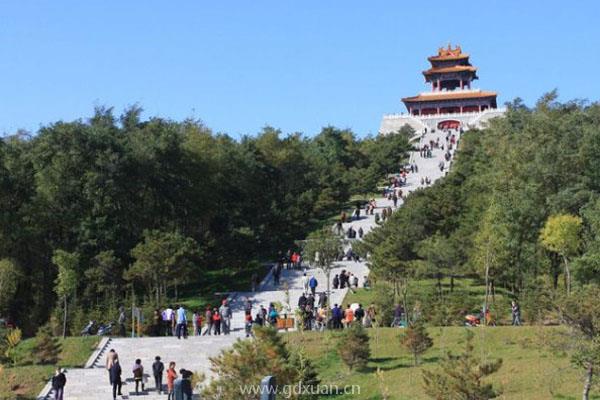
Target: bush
{"x": 353, "y": 347}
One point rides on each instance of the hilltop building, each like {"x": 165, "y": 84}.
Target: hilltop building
{"x": 452, "y": 103}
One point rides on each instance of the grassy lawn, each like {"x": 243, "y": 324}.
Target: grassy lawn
{"x": 530, "y": 371}
{"x": 31, "y": 378}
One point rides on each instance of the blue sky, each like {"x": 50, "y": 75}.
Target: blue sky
{"x": 295, "y": 65}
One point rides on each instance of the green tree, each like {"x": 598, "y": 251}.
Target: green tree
{"x": 416, "y": 340}
{"x": 561, "y": 234}
{"x": 491, "y": 252}
{"x": 322, "y": 248}
{"x": 163, "y": 260}
{"x": 461, "y": 377}
{"x": 10, "y": 276}
{"x": 66, "y": 280}
{"x": 581, "y": 312}
{"x": 353, "y": 347}
{"x": 248, "y": 361}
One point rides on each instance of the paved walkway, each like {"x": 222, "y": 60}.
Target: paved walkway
{"x": 193, "y": 353}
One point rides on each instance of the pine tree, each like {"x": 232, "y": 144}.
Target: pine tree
{"x": 47, "y": 348}
{"x": 353, "y": 347}
{"x": 416, "y": 340}
{"x": 461, "y": 377}
{"x": 248, "y": 361}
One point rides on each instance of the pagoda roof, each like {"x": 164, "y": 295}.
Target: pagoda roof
{"x": 454, "y": 68}
{"x": 449, "y": 53}
{"x": 453, "y": 95}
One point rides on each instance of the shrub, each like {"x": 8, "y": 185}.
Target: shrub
{"x": 353, "y": 347}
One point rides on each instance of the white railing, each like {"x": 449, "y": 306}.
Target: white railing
{"x": 445, "y": 115}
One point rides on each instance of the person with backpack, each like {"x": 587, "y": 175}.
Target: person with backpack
{"x": 157, "y": 370}
{"x": 59, "y": 380}
{"x": 312, "y": 283}
{"x": 138, "y": 375}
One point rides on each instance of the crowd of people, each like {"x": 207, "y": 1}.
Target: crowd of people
{"x": 179, "y": 386}
{"x": 174, "y": 321}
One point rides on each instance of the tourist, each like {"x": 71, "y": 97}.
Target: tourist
{"x": 195, "y": 323}
{"x": 516, "y": 313}
{"x": 395, "y": 199}
{"x": 360, "y": 232}
{"x": 198, "y": 329}
{"x": 59, "y": 380}
{"x": 359, "y": 314}
{"x": 121, "y": 321}
{"x": 171, "y": 376}
{"x": 248, "y": 306}
{"x": 343, "y": 279}
{"x": 168, "y": 315}
{"x": 157, "y": 370}
{"x": 338, "y": 227}
{"x": 115, "y": 378}
{"x": 355, "y": 281}
{"x": 110, "y": 359}
{"x": 259, "y": 320}
{"x": 263, "y": 313}
{"x": 336, "y": 281}
{"x": 321, "y": 319}
{"x": 276, "y": 271}
{"x": 248, "y": 324}
{"x": 310, "y": 301}
{"x": 138, "y": 375}
{"x": 216, "y": 319}
{"x": 398, "y": 312}
{"x": 273, "y": 315}
{"x": 183, "y": 388}
{"x": 348, "y": 316}
{"x": 312, "y": 283}
{"x": 209, "y": 321}
{"x": 225, "y": 312}
{"x": 181, "y": 323}
{"x": 336, "y": 317}
{"x": 305, "y": 283}
{"x": 302, "y": 301}
{"x": 322, "y": 299}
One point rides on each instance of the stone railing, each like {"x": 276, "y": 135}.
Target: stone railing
{"x": 446, "y": 115}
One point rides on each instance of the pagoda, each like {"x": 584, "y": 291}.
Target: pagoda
{"x": 452, "y": 103}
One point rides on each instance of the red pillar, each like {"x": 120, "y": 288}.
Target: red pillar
{"x": 461, "y": 108}
{"x": 461, "y": 84}
{"x": 439, "y": 85}
{"x": 480, "y": 108}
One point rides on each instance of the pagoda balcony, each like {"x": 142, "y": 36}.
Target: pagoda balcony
{"x": 445, "y": 115}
